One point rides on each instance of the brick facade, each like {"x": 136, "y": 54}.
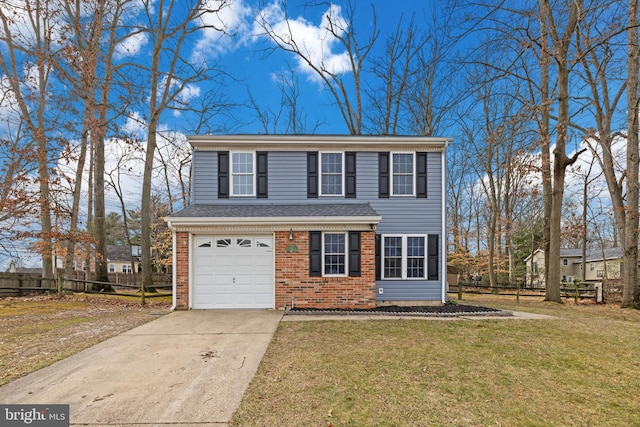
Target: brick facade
{"x": 182, "y": 271}
{"x": 294, "y": 286}
{"x": 292, "y": 282}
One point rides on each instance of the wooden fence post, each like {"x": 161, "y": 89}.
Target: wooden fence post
{"x": 59, "y": 285}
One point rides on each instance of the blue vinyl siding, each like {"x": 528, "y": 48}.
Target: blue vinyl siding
{"x": 287, "y": 183}
{"x": 205, "y": 173}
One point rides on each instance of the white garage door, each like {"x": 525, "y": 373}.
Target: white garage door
{"x": 233, "y": 272}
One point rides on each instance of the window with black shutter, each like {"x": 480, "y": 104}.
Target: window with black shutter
{"x": 383, "y": 175}
{"x": 350, "y": 175}
{"x": 262, "y": 177}
{"x": 315, "y": 253}
{"x": 223, "y": 174}
{"x": 421, "y": 175}
{"x": 432, "y": 257}
{"x": 312, "y": 175}
{"x": 354, "y": 254}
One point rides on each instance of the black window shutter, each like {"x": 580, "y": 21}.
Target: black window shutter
{"x": 262, "y": 175}
{"x": 223, "y": 174}
{"x": 312, "y": 175}
{"x": 378, "y": 256}
{"x": 432, "y": 257}
{"x": 383, "y": 175}
{"x": 421, "y": 175}
{"x": 315, "y": 253}
{"x": 354, "y": 254}
{"x": 350, "y": 175}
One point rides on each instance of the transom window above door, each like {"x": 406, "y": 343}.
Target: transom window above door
{"x": 243, "y": 174}
{"x": 331, "y": 174}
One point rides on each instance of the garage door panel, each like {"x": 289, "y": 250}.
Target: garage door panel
{"x": 233, "y": 272}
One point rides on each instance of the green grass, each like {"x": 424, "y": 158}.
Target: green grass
{"x": 581, "y": 369}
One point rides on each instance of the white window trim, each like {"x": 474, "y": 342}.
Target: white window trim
{"x": 126, "y": 268}
{"x": 346, "y": 255}
{"x": 404, "y": 257}
{"x": 413, "y": 185}
{"x": 342, "y": 173}
{"x": 112, "y": 268}
{"x": 232, "y": 174}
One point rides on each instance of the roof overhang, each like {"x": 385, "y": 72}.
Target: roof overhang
{"x": 269, "y": 218}
{"x": 318, "y": 142}
{"x": 270, "y": 224}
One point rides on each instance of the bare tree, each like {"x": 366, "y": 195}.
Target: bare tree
{"x": 87, "y": 65}
{"x": 15, "y": 196}
{"x": 345, "y": 84}
{"x": 289, "y": 108}
{"x": 27, "y": 32}
{"x": 394, "y": 70}
{"x": 169, "y": 25}
{"x": 631, "y": 293}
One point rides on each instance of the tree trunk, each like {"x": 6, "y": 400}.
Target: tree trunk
{"x": 631, "y": 296}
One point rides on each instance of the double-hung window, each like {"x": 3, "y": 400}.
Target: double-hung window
{"x": 243, "y": 174}
{"x": 403, "y": 174}
{"x": 404, "y": 257}
{"x": 331, "y": 174}
{"x": 334, "y": 254}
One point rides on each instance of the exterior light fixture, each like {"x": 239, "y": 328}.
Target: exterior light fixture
{"x": 291, "y": 234}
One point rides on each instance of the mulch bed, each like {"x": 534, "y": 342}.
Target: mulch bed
{"x": 446, "y": 310}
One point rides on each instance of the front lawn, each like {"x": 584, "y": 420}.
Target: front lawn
{"x": 582, "y": 368}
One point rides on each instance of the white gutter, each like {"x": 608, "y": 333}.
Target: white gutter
{"x": 285, "y": 140}
{"x": 444, "y": 223}
{"x": 287, "y": 221}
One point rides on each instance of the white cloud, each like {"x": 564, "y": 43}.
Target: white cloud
{"x": 315, "y": 42}
{"x": 134, "y": 125}
{"x": 229, "y": 21}
{"x": 8, "y": 106}
{"x": 131, "y": 46}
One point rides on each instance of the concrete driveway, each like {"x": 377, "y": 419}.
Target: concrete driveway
{"x": 185, "y": 368}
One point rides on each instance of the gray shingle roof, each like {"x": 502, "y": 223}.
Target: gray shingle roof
{"x": 609, "y": 253}
{"x": 273, "y": 210}
{"x": 570, "y": 252}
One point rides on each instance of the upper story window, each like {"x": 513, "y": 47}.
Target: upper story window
{"x": 331, "y": 174}
{"x": 403, "y": 173}
{"x": 565, "y": 262}
{"x": 243, "y": 174}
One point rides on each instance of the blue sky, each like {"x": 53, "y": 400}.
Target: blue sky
{"x": 245, "y": 56}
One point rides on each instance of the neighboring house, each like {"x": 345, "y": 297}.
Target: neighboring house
{"x": 312, "y": 221}
{"x": 13, "y": 268}
{"x": 119, "y": 259}
{"x": 600, "y": 264}
{"x": 604, "y": 264}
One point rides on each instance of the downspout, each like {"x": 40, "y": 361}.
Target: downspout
{"x": 444, "y": 223}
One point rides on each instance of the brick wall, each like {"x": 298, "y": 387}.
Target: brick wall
{"x": 293, "y": 281}
{"x": 182, "y": 271}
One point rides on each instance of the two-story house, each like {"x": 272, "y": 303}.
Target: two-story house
{"x": 312, "y": 221}
{"x": 600, "y": 264}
